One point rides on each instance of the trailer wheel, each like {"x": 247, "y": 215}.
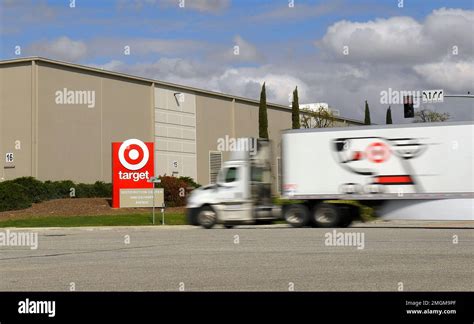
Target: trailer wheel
{"x": 296, "y": 215}
{"x": 330, "y": 215}
{"x": 207, "y": 217}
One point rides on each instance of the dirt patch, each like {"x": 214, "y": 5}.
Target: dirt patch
{"x": 77, "y": 207}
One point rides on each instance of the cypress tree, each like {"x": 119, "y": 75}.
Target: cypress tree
{"x": 295, "y": 110}
{"x": 388, "y": 118}
{"x": 367, "y": 114}
{"x": 262, "y": 114}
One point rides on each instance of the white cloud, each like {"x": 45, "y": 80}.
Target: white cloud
{"x": 244, "y": 82}
{"x": 62, "y": 48}
{"x": 401, "y": 39}
{"x": 240, "y": 51}
{"x": 399, "y": 53}
{"x": 454, "y": 76}
{"x": 247, "y": 82}
{"x": 388, "y": 40}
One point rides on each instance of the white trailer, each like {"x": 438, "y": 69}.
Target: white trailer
{"x": 422, "y": 171}
{"x": 398, "y": 168}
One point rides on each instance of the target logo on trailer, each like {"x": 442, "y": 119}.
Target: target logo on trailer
{"x": 378, "y": 152}
{"x": 132, "y": 166}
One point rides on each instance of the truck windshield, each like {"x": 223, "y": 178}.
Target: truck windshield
{"x": 230, "y": 175}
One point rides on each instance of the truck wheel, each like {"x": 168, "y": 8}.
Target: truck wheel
{"x": 329, "y": 215}
{"x": 207, "y": 217}
{"x": 296, "y": 215}
{"x": 228, "y": 226}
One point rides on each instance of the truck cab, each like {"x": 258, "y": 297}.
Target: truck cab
{"x": 242, "y": 192}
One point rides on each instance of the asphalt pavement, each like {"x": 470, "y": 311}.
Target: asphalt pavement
{"x": 380, "y": 256}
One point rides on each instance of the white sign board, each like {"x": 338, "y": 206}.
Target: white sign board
{"x": 432, "y": 96}
{"x": 132, "y": 198}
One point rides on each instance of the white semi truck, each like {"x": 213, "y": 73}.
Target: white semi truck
{"x": 413, "y": 171}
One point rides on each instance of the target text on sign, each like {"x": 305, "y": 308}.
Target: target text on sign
{"x": 135, "y": 176}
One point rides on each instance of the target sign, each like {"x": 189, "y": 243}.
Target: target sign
{"x": 132, "y": 166}
{"x": 378, "y": 152}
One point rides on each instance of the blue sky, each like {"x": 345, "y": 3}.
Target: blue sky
{"x": 287, "y": 47}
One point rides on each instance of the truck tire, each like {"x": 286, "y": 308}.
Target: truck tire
{"x": 207, "y": 217}
{"x": 330, "y": 215}
{"x": 296, "y": 215}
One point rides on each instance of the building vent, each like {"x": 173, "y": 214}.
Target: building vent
{"x": 215, "y": 164}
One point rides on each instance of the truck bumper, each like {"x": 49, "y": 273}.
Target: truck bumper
{"x": 191, "y": 215}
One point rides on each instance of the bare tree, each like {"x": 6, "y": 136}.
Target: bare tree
{"x": 320, "y": 118}
{"x": 430, "y": 116}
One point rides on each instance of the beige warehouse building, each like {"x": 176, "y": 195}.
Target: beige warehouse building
{"x": 58, "y": 120}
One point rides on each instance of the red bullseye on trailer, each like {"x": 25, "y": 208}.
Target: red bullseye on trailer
{"x": 377, "y": 152}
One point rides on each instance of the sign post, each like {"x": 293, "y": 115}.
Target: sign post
{"x": 163, "y": 213}
{"x": 154, "y": 180}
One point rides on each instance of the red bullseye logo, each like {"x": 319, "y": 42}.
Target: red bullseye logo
{"x": 133, "y": 154}
{"x": 377, "y": 152}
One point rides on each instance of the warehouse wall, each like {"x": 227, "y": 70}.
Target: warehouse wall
{"x": 74, "y": 140}
{"x": 217, "y": 118}
{"x": 16, "y": 120}
{"x": 213, "y": 121}
{"x": 175, "y": 133}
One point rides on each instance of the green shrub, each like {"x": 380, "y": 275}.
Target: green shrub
{"x": 59, "y": 189}
{"x": 22, "y": 192}
{"x": 34, "y": 188}
{"x": 97, "y": 190}
{"x": 84, "y": 190}
{"x": 13, "y": 196}
{"x": 102, "y": 189}
{"x": 174, "y": 191}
